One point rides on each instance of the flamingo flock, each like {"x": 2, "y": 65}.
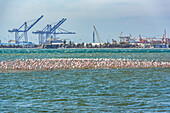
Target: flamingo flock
{"x": 77, "y": 63}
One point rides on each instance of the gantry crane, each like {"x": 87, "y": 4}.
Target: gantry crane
{"x": 47, "y": 31}
{"x": 24, "y": 32}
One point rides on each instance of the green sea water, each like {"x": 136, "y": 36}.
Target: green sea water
{"x": 86, "y": 90}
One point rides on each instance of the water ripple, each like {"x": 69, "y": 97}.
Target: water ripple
{"x": 101, "y": 90}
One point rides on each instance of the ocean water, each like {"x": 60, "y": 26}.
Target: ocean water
{"x": 86, "y": 90}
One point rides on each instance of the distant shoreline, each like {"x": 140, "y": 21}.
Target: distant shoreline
{"x": 84, "y": 48}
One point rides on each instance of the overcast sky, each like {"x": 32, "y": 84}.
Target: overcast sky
{"x": 111, "y": 17}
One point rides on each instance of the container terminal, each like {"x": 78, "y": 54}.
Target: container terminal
{"x": 47, "y": 39}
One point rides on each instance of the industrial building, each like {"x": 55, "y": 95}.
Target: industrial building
{"x": 147, "y": 42}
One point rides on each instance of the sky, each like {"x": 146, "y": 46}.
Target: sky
{"x": 148, "y": 18}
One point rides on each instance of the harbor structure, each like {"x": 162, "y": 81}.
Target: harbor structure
{"x": 125, "y": 39}
{"x": 154, "y": 42}
{"x": 47, "y": 38}
{"x": 51, "y": 31}
{"x": 97, "y": 34}
{"x": 23, "y": 29}
{"x": 151, "y": 42}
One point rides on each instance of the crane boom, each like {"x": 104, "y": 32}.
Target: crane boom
{"x": 151, "y": 38}
{"x": 57, "y": 25}
{"x": 97, "y": 34}
{"x": 34, "y": 23}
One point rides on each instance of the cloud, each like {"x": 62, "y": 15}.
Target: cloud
{"x": 105, "y": 9}
{"x": 93, "y": 9}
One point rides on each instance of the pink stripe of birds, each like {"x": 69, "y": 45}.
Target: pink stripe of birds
{"x": 79, "y": 63}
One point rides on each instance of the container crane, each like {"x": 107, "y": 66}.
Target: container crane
{"x": 97, "y": 34}
{"x": 49, "y": 30}
{"x": 24, "y": 32}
